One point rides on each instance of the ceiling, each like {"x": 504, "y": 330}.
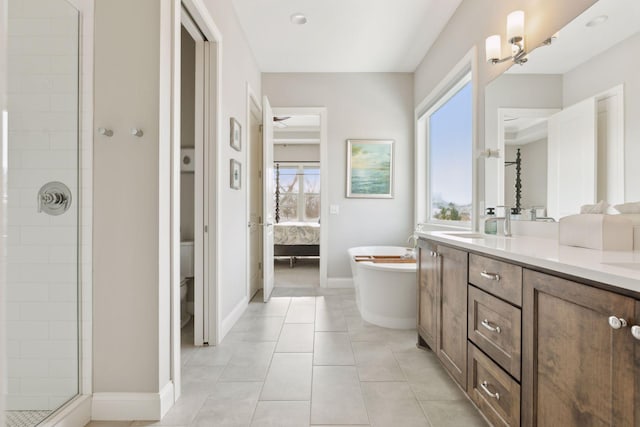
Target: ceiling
{"x": 342, "y": 35}
{"x": 578, "y": 43}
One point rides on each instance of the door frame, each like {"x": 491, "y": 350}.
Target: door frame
{"x": 324, "y": 180}
{"x": 212, "y": 134}
{"x": 254, "y": 105}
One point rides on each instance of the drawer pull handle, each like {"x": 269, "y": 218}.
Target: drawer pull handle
{"x": 617, "y": 322}
{"x": 490, "y": 276}
{"x": 485, "y": 387}
{"x": 489, "y": 326}
{"x": 635, "y": 331}
{"x": 434, "y": 254}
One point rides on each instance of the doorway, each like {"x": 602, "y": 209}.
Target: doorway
{"x": 301, "y": 207}
{"x": 254, "y": 195}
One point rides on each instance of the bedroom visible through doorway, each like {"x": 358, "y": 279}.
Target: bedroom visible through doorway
{"x": 297, "y": 200}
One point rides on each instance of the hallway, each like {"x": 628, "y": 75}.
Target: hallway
{"x": 311, "y": 360}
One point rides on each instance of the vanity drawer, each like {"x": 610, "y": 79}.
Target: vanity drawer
{"x": 494, "y": 392}
{"x": 499, "y": 278}
{"x": 495, "y": 327}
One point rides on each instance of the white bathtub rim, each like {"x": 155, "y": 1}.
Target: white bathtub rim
{"x": 382, "y": 250}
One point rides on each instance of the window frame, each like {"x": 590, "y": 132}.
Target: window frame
{"x": 300, "y": 195}
{"x": 465, "y": 71}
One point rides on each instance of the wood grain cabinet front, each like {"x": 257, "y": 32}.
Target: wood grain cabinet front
{"x": 494, "y": 392}
{"x": 578, "y": 355}
{"x": 495, "y": 327}
{"x": 428, "y": 278}
{"x": 499, "y": 278}
{"x": 451, "y": 342}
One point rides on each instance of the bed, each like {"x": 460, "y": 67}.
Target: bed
{"x": 296, "y": 239}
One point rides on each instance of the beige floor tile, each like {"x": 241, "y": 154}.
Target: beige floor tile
{"x": 336, "y": 396}
{"x": 296, "y": 338}
{"x": 199, "y": 379}
{"x": 277, "y": 306}
{"x": 242, "y": 390}
{"x": 281, "y": 414}
{"x": 289, "y": 377}
{"x": 109, "y": 424}
{"x": 263, "y": 328}
{"x": 330, "y": 321}
{"x": 376, "y": 362}
{"x": 212, "y": 355}
{"x": 229, "y": 413}
{"x": 181, "y": 413}
{"x": 301, "y": 313}
{"x": 360, "y": 330}
{"x": 332, "y": 348}
{"x": 392, "y": 404}
{"x": 330, "y": 303}
{"x": 453, "y": 414}
{"x": 249, "y": 363}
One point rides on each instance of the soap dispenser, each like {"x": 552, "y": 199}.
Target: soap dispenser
{"x": 490, "y": 222}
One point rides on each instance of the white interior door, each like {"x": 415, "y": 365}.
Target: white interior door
{"x": 572, "y": 167}
{"x": 268, "y": 202}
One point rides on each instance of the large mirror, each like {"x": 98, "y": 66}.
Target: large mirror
{"x": 563, "y": 121}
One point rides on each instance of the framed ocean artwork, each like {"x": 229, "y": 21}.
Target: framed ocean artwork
{"x": 370, "y": 168}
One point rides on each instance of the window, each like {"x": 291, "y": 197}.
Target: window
{"x": 449, "y": 154}
{"x": 299, "y": 186}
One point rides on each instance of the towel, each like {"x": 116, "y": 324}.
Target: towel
{"x": 598, "y": 208}
{"x": 603, "y": 232}
{"x": 628, "y": 208}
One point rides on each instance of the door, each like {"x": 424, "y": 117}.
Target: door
{"x": 572, "y": 168}
{"x": 452, "y": 314}
{"x": 427, "y": 292}
{"x": 577, "y": 370}
{"x": 255, "y": 200}
{"x": 268, "y": 202}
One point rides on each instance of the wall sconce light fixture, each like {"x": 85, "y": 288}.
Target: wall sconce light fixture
{"x": 515, "y": 37}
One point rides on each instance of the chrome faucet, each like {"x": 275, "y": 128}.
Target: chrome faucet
{"x": 507, "y": 220}
{"x": 413, "y": 238}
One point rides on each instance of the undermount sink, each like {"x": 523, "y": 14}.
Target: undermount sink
{"x": 465, "y": 234}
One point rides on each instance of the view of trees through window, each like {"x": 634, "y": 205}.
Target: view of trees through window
{"x": 450, "y": 157}
{"x": 299, "y": 192}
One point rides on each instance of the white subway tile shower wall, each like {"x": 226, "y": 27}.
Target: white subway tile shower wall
{"x": 43, "y": 250}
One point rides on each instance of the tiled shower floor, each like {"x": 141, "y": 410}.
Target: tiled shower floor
{"x": 25, "y": 418}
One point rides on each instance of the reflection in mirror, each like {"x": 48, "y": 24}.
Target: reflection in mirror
{"x": 565, "y": 110}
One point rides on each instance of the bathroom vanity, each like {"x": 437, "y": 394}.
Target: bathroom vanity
{"x": 534, "y": 332}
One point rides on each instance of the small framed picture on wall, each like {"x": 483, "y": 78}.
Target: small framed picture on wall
{"x": 235, "y": 174}
{"x": 235, "y": 135}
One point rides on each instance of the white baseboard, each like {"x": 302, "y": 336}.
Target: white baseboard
{"x": 232, "y": 318}
{"x": 74, "y": 414}
{"x": 339, "y": 282}
{"x": 132, "y": 406}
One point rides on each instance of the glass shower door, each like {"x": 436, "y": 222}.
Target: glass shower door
{"x": 42, "y": 251}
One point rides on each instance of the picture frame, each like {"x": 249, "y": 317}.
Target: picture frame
{"x": 235, "y": 134}
{"x": 370, "y": 168}
{"x": 235, "y": 174}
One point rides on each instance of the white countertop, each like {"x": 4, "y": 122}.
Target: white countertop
{"x": 619, "y": 269}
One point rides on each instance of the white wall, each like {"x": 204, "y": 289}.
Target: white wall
{"x": 126, "y": 339}
{"x": 470, "y": 25}
{"x": 238, "y": 69}
{"x": 43, "y": 250}
{"x": 296, "y": 153}
{"x": 611, "y": 68}
{"x": 359, "y": 106}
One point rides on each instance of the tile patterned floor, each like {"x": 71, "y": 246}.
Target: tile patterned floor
{"x": 310, "y": 360}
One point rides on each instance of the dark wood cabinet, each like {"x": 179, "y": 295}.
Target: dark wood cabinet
{"x": 442, "y": 305}
{"x": 576, "y": 370}
{"x": 428, "y": 278}
{"x": 451, "y": 342}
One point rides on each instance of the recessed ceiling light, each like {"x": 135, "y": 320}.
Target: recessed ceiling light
{"x": 597, "y": 20}
{"x": 298, "y": 19}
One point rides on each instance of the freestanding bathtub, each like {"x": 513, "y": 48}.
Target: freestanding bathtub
{"x": 385, "y": 293}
